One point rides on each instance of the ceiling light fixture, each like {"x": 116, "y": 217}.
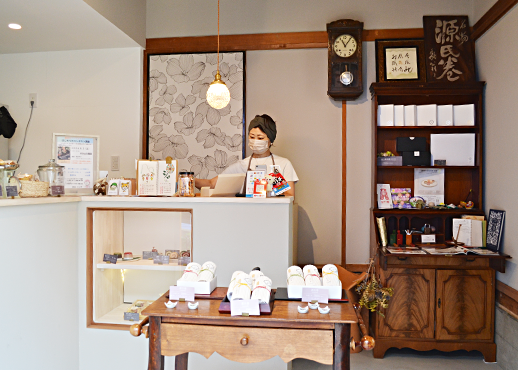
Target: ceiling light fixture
{"x": 14, "y": 26}
{"x": 218, "y": 95}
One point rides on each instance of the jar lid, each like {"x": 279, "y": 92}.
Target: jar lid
{"x": 186, "y": 173}
{"x": 50, "y": 165}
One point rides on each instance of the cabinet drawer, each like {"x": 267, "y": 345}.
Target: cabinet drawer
{"x": 248, "y": 345}
{"x": 438, "y": 262}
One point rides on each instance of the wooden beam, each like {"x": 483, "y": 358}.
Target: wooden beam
{"x": 264, "y": 41}
{"x": 507, "y": 297}
{"x": 344, "y": 179}
{"x": 145, "y": 95}
{"x": 492, "y": 16}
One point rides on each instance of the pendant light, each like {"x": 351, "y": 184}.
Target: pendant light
{"x": 218, "y": 95}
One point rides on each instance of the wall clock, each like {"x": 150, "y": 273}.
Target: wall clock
{"x": 344, "y": 59}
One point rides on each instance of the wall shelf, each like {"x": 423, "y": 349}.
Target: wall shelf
{"x": 140, "y": 265}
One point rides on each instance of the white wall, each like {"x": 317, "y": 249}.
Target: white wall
{"x": 480, "y": 7}
{"x": 497, "y": 52}
{"x": 128, "y": 15}
{"x": 93, "y": 92}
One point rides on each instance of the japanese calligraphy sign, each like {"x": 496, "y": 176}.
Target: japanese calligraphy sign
{"x": 400, "y": 60}
{"x": 449, "y": 49}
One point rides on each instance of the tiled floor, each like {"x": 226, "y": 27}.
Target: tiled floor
{"x": 407, "y": 359}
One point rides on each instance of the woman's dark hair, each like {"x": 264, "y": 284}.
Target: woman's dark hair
{"x": 266, "y": 124}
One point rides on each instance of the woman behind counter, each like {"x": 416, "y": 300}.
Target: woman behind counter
{"x": 262, "y": 132}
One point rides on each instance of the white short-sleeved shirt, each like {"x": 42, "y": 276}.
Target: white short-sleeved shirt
{"x": 287, "y": 170}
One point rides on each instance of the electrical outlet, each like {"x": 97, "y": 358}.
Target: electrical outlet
{"x": 115, "y": 163}
{"x": 33, "y": 98}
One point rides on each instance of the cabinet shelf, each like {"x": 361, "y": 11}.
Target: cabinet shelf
{"x": 410, "y": 167}
{"x": 428, "y": 211}
{"x": 432, "y": 128}
{"x": 140, "y": 265}
{"x": 116, "y": 316}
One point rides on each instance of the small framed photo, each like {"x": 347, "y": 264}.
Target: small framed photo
{"x": 400, "y": 60}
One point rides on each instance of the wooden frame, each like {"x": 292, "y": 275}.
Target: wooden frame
{"x": 90, "y": 323}
{"x": 416, "y": 62}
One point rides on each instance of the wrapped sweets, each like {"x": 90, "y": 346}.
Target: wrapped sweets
{"x": 207, "y": 272}
{"x": 330, "y": 276}
{"x": 191, "y": 272}
{"x": 295, "y": 276}
{"x": 233, "y": 281}
{"x": 262, "y": 289}
{"x": 311, "y": 276}
{"x": 242, "y": 288}
{"x": 255, "y": 275}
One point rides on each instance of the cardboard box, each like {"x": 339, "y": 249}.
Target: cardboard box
{"x": 200, "y": 287}
{"x": 386, "y": 115}
{"x": 410, "y": 144}
{"x": 390, "y": 161}
{"x": 464, "y": 115}
{"x": 445, "y": 115}
{"x": 399, "y": 115}
{"x": 416, "y": 158}
{"x": 295, "y": 291}
{"x": 410, "y": 113}
{"x": 427, "y": 115}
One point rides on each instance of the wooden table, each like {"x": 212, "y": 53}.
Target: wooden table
{"x": 314, "y": 336}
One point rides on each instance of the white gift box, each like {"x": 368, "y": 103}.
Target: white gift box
{"x": 386, "y": 115}
{"x": 456, "y": 149}
{"x": 464, "y": 115}
{"x": 445, "y": 115}
{"x": 410, "y": 115}
{"x": 200, "y": 287}
{"x": 399, "y": 115}
{"x": 295, "y": 291}
{"x": 427, "y": 115}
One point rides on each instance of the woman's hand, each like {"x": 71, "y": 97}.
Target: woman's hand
{"x": 213, "y": 182}
{"x": 291, "y": 191}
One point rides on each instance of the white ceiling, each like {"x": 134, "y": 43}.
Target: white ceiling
{"x": 53, "y": 25}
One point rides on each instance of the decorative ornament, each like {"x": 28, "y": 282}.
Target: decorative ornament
{"x": 372, "y": 293}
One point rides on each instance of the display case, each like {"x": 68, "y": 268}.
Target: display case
{"x": 113, "y": 288}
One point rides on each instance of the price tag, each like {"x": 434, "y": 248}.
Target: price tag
{"x": 11, "y": 191}
{"x": 149, "y": 255}
{"x": 57, "y": 190}
{"x": 185, "y": 293}
{"x": 315, "y": 294}
{"x": 131, "y": 316}
{"x": 110, "y": 258}
{"x": 161, "y": 260}
{"x": 244, "y": 307}
{"x": 430, "y": 238}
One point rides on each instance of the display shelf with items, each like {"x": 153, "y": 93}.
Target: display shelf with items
{"x": 134, "y": 235}
{"x": 459, "y": 180}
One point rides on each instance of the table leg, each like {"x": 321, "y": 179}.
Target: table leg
{"x": 156, "y": 360}
{"x": 341, "y": 359}
{"x": 181, "y": 361}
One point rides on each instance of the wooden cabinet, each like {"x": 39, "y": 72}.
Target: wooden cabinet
{"x": 440, "y": 302}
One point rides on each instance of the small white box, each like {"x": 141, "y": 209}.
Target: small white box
{"x": 386, "y": 115}
{"x": 427, "y": 115}
{"x": 200, "y": 287}
{"x": 295, "y": 291}
{"x": 399, "y": 115}
{"x": 464, "y": 115}
{"x": 445, "y": 115}
{"x": 410, "y": 115}
{"x": 456, "y": 149}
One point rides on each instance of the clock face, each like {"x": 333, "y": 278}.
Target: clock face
{"x": 345, "y": 46}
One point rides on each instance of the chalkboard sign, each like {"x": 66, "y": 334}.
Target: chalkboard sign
{"x": 449, "y": 51}
{"x": 495, "y": 228}
{"x": 149, "y": 255}
{"x": 11, "y": 191}
{"x": 57, "y": 190}
{"x": 110, "y": 258}
{"x": 1, "y": 191}
{"x": 161, "y": 260}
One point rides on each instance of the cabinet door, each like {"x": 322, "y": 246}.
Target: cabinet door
{"x": 411, "y": 309}
{"x": 465, "y": 304}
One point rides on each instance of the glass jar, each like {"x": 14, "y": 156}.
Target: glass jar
{"x": 186, "y": 184}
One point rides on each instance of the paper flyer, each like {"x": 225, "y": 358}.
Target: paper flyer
{"x": 429, "y": 184}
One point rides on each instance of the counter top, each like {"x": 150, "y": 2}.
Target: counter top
{"x": 111, "y": 199}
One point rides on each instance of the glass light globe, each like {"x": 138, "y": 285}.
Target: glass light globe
{"x": 218, "y": 95}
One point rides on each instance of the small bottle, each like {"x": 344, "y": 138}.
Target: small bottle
{"x": 186, "y": 184}
{"x": 399, "y": 237}
{"x": 393, "y": 239}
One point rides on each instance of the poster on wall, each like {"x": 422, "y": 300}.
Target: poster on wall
{"x": 80, "y": 156}
{"x": 182, "y": 125}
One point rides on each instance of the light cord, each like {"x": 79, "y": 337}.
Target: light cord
{"x": 27, "y": 129}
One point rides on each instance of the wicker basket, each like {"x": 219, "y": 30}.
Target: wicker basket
{"x": 33, "y": 189}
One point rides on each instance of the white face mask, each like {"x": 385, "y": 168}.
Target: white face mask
{"x": 258, "y": 146}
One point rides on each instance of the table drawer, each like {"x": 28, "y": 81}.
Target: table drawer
{"x": 437, "y": 261}
{"x": 247, "y": 345}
